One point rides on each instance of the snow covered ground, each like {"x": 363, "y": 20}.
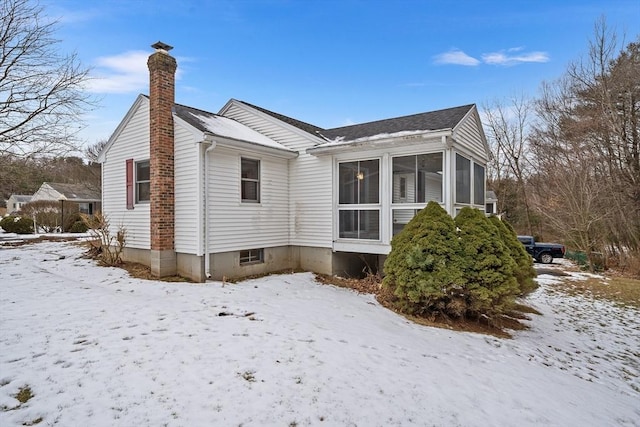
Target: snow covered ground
{"x": 98, "y": 348}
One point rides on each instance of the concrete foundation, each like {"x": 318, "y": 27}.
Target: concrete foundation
{"x": 163, "y": 263}
{"x": 226, "y": 265}
{"x": 141, "y": 256}
{"x": 191, "y": 266}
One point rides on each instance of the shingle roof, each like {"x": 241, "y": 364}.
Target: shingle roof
{"x": 223, "y": 126}
{"x": 433, "y": 120}
{"x": 307, "y": 127}
{"x": 22, "y": 198}
{"x": 75, "y": 191}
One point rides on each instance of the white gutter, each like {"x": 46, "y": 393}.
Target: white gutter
{"x": 208, "y": 139}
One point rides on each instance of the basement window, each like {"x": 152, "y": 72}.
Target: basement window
{"x": 252, "y": 256}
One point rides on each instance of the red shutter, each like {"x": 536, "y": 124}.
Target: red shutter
{"x": 129, "y": 183}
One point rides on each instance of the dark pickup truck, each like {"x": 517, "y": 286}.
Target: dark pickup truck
{"x": 542, "y": 252}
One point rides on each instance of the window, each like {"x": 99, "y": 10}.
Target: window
{"x": 401, "y": 217}
{"x": 463, "y": 179}
{"x": 359, "y": 184}
{"x": 360, "y": 224}
{"x": 489, "y": 208}
{"x": 250, "y": 180}
{"x": 143, "y": 182}
{"x": 478, "y": 184}
{"x": 417, "y": 179}
{"x": 251, "y": 256}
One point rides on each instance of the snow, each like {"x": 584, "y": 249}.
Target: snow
{"x": 100, "y": 348}
{"x": 229, "y": 128}
{"x": 405, "y": 134}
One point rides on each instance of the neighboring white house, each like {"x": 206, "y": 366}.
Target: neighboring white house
{"x": 491, "y": 203}
{"x": 88, "y": 200}
{"x": 16, "y": 201}
{"x": 249, "y": 191}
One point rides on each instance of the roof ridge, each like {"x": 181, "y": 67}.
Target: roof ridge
{"x": 287, "y": 119}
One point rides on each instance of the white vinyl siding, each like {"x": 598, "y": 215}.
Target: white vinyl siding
{"x": 188, "y": 169}
{"x": 310, "y": 181}
{"x": 468, "y": 136}
{"x": 131, "y": 143}
{"x": 235, "y": 225}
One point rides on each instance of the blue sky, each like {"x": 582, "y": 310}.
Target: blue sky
{"x": 331, "y": 62}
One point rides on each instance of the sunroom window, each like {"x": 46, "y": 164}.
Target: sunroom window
{"x": 478, "y": 184}
{"x": 359, "y": 199}
{"x": 417, "y": 179}
{"x": 463, "y": 179}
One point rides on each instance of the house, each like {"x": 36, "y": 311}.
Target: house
{"x": 491, "y": 203}
{"x": 249, "y": 191}
{"x": 87, "y": 199}
{"x": 16, "y": 201}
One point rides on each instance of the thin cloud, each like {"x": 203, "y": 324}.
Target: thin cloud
{"x": 504, "y": 58}
{"x": 456, "y": 57}
{"x": 124, "y": 73}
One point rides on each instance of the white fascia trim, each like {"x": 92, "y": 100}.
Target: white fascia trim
{"x": 255, "y": 147}
{"x": 391, "y": 142}
{"x": 102, "y": 157}
{"x": 362, "y": 247}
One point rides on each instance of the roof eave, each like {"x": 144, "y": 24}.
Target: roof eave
{"x": 225, "y": 141}
{"x": 367, "y": 144}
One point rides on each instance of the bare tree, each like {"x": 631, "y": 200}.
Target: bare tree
{"x": 41, "y": 90}
{"x": 587, "y": 144}
{"x": 507, "y": 127}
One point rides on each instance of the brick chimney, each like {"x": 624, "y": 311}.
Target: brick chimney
{"x": 162, "y": 68}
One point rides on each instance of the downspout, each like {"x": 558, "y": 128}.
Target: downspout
{"x": 208, "y": 139}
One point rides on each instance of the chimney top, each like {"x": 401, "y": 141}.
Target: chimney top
{"x": 161, "y": 47}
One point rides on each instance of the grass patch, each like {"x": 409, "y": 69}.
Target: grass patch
{"x": 620, "y": 290}
{"x": 24, "y": 395}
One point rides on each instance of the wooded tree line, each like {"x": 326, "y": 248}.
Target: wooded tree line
{"x": 24, "y": 176}
{"x": 566, "y": 165}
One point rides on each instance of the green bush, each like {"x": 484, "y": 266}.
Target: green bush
{"x": 524, "y": 271}
{"x": 487, "y": 265}
{"x": 5, "y": 222}
{"x": 423, "y": 268}
{"x": 78, "y": 227}
{"x": 19, "y": 225}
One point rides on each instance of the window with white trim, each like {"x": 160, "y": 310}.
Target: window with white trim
{"x": 251, "y": 256}
{"x": 143, "y": 182}
{"x": 417, "y": 179}
{"x": 478, "y": 184}
{"x": 463, "y": 179}
{"x": 359, "y": 199}
{"x": 250, "y": 180}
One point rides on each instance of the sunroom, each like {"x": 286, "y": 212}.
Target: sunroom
{"x": 381, "y": 181}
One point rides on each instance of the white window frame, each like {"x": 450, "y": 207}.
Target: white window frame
{"x": 251, "y": 256}
{"x": 137, "y": 182}
{"x": 253, "y": 180}
{"x": 359, "y": 206}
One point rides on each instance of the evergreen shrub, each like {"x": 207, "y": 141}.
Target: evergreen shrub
{"x": 78, "y": 227}
{"x": 524, "y": 271}
{"x": 487, "y": 265}
{"x": 19, "y": 225}
{"x": 423, "y": 269}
